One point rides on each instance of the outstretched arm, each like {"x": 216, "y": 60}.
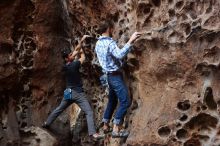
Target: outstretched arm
{"x": 77, "y": 49}
{"x": 121, "y": 53}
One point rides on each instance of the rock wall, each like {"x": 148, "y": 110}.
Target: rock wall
{"x": 172, "y": 73}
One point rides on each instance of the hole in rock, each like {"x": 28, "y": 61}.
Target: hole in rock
{"x": 164, "y": 131}
{"x": 178, "y": 125}
{"x": 134, "y": 105}
{"x": 170, "y": 1}
{"x": 192, "y": 142}
{"x": 183, "y": 105}
{"x": 192, "y": 14}
{"x": 134, "y": 62}
{"x": 37, "y": 139}
{"x": 209, "y": 100}
{"x": 146, "y": 10}
{"x": 94, "y": 100}
{"x": 181, "y": 134}
{"x": 187, "y": 29}
{"x": 202, "y": 121}
{"x": 211, "y": 37}
{"x": 120, "y": 33}
{"x": 171, "y": 13}
{"x": 156, "y": 2}
{"x": 143, "y": 9}
{"x": 204, "y": 107}
{"x": 165, "y": 22}
{"x": 198, "y": 109}
{"x": 121, "y": 1}
{"x": 204, "y": 137}
{"x": 128, "y": 10}
{"x": 194, "y": 23}
{"x": 209, "y": 9}
{"x": 183, "y": 118}
{"x": 179, "y": 4}
{"x": 121, "y": 22}
{"x": 183, "y": 17}
{"x": 115, "y": 17}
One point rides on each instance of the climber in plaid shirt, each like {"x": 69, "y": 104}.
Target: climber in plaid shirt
{"x": 105, "y": 56}
{"x": 110, "y": 56}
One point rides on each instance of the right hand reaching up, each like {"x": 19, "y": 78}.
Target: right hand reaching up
{"x": 134, "y": 36}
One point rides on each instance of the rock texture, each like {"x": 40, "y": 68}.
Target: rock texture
{"x": 172, "y": 72}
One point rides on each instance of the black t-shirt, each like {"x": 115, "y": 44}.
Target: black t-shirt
{"x": 73, "y": 79}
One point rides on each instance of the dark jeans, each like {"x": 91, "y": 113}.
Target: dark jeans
{"x": 117, "y": 91}
{"x": 81, "y": 100}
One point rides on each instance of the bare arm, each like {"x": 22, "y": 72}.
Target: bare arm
{"x": 82, "y": 56}
{"x": 78, "y": 47}
{"x": 74, "y": 54}
{"x": 121, "y": 53}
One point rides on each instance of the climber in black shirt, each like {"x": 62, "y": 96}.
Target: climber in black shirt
{"x": 74, "y": 83}
{"x": 73, "y": 79}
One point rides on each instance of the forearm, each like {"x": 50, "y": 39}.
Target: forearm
{"x": 121, "y": 53}
{"x": 74, "y": 54}
{"x": 78, "y": 47}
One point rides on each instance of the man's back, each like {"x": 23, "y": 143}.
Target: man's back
{"x": 72, "y": 74}
{"x": 109, "y": 55}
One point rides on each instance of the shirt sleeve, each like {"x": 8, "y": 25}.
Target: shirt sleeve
{"x": 117, "y": 52}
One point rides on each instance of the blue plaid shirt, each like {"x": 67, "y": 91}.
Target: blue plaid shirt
{"x": 109, "y": 55}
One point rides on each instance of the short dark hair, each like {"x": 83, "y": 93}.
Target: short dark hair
{"x": 105, "y": 25}
{"x": 65, "y": 53}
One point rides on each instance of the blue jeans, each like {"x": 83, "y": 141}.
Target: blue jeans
{"x": 117, "y": 91}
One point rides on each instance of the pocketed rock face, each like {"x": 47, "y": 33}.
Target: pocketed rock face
{"x": 172, "y": 73}
{"x": 32, "y": 35}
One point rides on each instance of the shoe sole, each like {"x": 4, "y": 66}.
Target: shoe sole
{"x": 116, "y": 136}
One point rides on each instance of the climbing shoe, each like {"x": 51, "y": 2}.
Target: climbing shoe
{"x": 120, "y": 134}
{"x": 97, "y": 136}
{"x": 45, "y": 125}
